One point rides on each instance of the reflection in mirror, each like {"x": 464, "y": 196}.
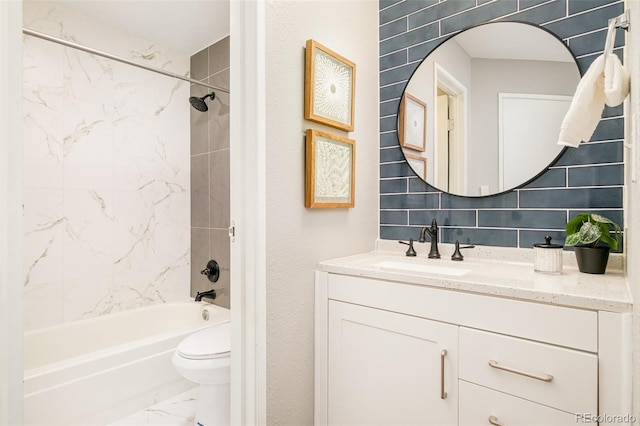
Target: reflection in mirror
{"x": 494, "y": 96}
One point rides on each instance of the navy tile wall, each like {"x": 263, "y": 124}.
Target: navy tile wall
{"x": 590, "y": 178}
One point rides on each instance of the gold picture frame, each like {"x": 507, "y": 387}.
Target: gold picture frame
{"x": 413, "y": 123}
{"x": 329, "y": 87}
{"x": 329, "y": 170}
{"x": 418, "y": 164}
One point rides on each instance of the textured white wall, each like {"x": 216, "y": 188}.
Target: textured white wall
{"x": 106, "y": 172}
{"x": 632, "y": 159}
{"x": 297, "y": 238}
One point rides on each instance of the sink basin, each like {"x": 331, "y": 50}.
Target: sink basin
{"x": 421, "y": 267}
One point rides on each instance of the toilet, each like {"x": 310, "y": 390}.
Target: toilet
{"x": 205, "y": 358}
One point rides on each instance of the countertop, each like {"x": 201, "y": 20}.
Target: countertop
{"x": 492, "y": 271}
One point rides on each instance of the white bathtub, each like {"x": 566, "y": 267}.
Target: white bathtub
{"x": 98, "y": 370}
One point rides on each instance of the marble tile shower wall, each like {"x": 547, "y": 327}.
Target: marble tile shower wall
{"x": 210, "y": 172}
{"x": 588, "y": 178}
{"x": 106, "y": 172}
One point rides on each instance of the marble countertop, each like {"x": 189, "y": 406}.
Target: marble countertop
{"x": 492, "y": 271}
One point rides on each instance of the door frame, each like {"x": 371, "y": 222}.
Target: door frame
{"x": 248, "y": 213}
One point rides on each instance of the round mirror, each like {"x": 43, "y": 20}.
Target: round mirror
{"x": 481, "y": 114}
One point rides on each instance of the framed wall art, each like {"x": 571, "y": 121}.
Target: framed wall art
{"x": 329, "y": 87}
{"x": 413, "y": 119}
{"x": 418, "y": 164}
{"x": 330, "y": 170}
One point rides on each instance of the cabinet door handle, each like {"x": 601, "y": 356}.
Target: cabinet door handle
{"x": 544, "y": 377}
{"x": 494, "y": 421}
{"x": 443, "y": 394}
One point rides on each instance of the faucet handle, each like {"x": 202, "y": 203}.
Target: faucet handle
{"x": 410, "y": 251}
{"x": 457, "y": 255}
{"x": 212, "y": 271}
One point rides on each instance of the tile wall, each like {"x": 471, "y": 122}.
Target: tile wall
{"x": 106, "y": 172}
{"x": 588, "y": 178}
{"x": 210, "y": 172}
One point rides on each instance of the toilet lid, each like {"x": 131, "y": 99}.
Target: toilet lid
{"x": 212, "y": 342}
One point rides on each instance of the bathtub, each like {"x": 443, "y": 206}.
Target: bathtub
{"x": 98, "y": 370}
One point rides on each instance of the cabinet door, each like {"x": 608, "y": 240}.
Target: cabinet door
{"x": 387, "y": 368}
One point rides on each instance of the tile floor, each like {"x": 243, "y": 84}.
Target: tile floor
{"x": 176, "y": 411}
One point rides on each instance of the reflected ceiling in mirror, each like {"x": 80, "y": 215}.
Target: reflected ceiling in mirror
{"x": 493, "y": 99}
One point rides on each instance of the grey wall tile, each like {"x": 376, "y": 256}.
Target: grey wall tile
{"x": 583, "y": 5}
{"x": 586, "y": 22}
{"x": 477, "y": 236}
{"x": 390, "y": 186}
{"x": 386, "y": 3}
{"x": 549, "y": 179}
{"x": 395, "y": 170}
{"x": 394, "y": 217}
{"x": 541, "y": 14}
{"x": 525, "y": 4}
{"x": 199, "y": 259}
{"x": 419, "y": 185}
{"x": 219, "y": 122}
{"x": 439, "y": 11}
{"x": 612, "y": 128}
{"x": 219, "y": 190}
{"x": 389, "y": 108}
{"x": 393, "y": 28}
{"x": 597, "y": 176}
{"x": 199, "y": 125}
{"x": 546, "y": 219}
{"x": 478, "y": 15}
{"x": 219, "y": 56}
{"x": 592, "y": 153}
{"x": 200, "y": 65}
{"x": 392, "y": 91}
{"x": 399, "y": 233}
{"x": 593, "y": 42}
{"x": 221, "y": 253}
{"x": 391, "y": 154}
{"x": 397, "y": 74}
{"x": 409, "y": 38}
{"x": 388, "y": 139}
{"x": 393, "y": 60}
{"x": 615, "y": 215}
{"x": 505, "y": 200}
{"x": 443, "y": 217}
{"x": 409, "y": 201}
{"x": 388, "y": 124}
{"x": 420, "y": 51}
{"x": 583, "y": 198}
{"x": 200, "y": 191}
{"x": 403, "y": 8}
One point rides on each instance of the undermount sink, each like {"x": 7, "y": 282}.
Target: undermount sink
{"x": 421, "y": 267}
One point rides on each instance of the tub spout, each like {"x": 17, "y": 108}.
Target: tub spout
{"x": 209, "y": 293}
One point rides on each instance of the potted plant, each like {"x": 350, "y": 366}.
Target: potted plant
{"x": 589, "y": 230}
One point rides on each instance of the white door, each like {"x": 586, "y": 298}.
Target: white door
{"x": 390, "y": 369}
{"x": 528, "y": 134}
{"x": 442, "y": 142}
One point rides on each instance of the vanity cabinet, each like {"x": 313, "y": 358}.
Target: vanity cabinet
{"x": 388, "y": 368}
{"x": 389, "y": 352}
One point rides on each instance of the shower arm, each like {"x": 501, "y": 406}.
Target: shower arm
{"x": 117, "y": 58}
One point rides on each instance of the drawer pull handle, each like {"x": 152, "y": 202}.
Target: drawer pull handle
{"x": 544, "y": 378}
{"x": 443, "y": 394}
{"x": 494, "y": 421}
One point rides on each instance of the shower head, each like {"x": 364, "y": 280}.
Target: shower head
{"x": 199, "y": 103}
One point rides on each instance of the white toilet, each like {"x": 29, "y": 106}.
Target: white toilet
{"x": 205, "y": 358}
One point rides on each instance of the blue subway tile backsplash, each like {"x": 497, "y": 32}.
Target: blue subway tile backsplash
{"x": 590, "y": 178}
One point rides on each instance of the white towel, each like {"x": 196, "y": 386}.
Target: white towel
{"x": 606, "y": 81}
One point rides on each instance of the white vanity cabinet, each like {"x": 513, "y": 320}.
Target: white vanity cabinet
{"x": 389, "y": 368}
{"x": 393, "y": 352}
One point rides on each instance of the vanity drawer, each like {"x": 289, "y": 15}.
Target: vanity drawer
{"x": 482, "y": 406}
{"x": 561, "y": 378}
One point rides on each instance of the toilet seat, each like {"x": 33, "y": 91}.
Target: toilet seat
{"x": 210, "y": 343}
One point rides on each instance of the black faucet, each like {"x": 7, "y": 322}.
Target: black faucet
{"x": 209, "y": 293}
{"x": 433, "y": 235}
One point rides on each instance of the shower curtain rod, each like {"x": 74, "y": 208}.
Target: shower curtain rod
{"x": 117, "y": 58}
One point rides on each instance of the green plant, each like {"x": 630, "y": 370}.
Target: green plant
{"x": 589, "y": 229}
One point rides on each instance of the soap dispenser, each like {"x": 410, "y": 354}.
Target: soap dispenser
{"x": 548, "y": 257}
